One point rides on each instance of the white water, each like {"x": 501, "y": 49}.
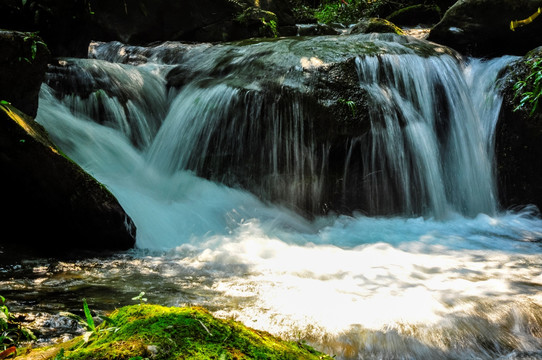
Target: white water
{"x": 463, "y": 287}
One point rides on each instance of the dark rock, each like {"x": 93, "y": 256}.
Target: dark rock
{"x": 316, "y": 30}
{"x": 23, "y": 60}
{"x": 482, "y": 27}
{"x": 519, "y": 142}
{"x": 416, "y": 15}
{"x": 52, "y": 206}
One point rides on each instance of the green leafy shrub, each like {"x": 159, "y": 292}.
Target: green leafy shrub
{"x": 529, "y": 90}
{"x": 348, "y": 11}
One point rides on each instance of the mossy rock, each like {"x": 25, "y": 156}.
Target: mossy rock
{"x": 55, "y": 207}
{"x": 375, "y": 25}
{"x": 158, "y": 332}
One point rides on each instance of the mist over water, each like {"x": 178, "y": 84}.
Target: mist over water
{"x": 452, "y": 277}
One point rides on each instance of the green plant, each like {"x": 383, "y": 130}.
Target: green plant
{"x": 60, "y": 355}
{"x": 351, "y": 105}
{"x": 529, "y": 91}
{"x": 140, "y": 298}
{"x": 11, "y": 331}
{"x": 341, "y": 11}
{"x": 88, "y": 317}
{"x": 88, "y": 322}
{"x": 271, "y": 25}
{"x": 35, "y": 41}
{"x": 349, "y": 11}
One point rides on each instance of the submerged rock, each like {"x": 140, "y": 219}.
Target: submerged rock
{"x": 482, "y": 27}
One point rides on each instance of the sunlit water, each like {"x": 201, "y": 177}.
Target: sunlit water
{"x": 358, "y": 287}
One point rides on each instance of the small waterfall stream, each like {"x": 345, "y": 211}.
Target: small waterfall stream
{"x": 235, "y": 184}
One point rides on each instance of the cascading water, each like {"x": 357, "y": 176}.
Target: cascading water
{"x": 426, "y": 148}
{"x": 212, "y": 149}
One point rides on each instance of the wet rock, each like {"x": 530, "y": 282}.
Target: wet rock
{"x": 482, "y": 27}
{"x": 519, "y": 141}
{"x": 316, "y": 29}
{"x": 53, "y": 207}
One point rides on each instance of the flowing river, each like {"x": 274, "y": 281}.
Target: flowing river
{"x": 427, "y": 266}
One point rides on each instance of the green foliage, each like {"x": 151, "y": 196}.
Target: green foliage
{"x": 345, "y": 12}
{"x": 140, "y": 298}
{"x": 88, "y": 316}
{"x": 271, "y": 25}
{"x": 351, "y": 105}
{"x": 11, "y": 332}
{"x": 152, "y": 331}
{"x": 35, "y": 41}
{"x": 88, "y": 322}
{"x": 529, "y": 90}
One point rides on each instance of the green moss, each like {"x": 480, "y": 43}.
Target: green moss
{"x": 378, "y": 25}
{"x": 183, "y": 333}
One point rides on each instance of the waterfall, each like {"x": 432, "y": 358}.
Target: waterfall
{"x": 245, "y": 116}
{"x": 428, "y": 147}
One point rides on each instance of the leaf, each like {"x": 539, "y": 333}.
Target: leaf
{"x": 11, "y": 350}
{"x": 88, "y": 316}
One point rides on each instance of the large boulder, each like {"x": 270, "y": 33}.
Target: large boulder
{"x": 519, "y": 140}
{"x": 51, "y": 205}
{"x": 482, "y": 27}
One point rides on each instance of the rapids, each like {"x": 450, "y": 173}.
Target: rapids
{"x": 446, "y": 274}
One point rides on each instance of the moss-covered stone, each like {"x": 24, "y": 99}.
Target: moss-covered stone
{"x": 157, "y": 332}
{"x": 375, "y": 25}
